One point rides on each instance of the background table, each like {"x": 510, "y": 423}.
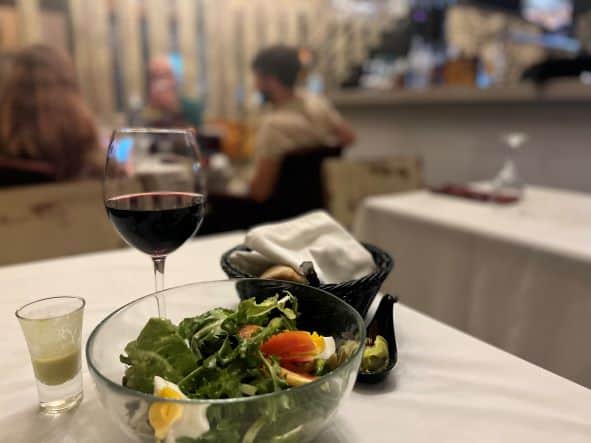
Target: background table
{"x": 447, "y": 384}
{"x": 517, "y": 276}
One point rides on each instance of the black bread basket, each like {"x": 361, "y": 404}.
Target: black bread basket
{"x": 358, "y": 293}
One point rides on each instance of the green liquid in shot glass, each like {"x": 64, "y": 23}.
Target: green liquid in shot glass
{"x": 56, "y": 370}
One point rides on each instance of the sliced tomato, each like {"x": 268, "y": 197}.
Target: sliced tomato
{"x": 295, "y": 346}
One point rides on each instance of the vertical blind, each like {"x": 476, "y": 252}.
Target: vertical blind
{"x": 113, "y": 41}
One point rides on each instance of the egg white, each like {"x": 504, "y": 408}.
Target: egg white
{"x": 329, "y": 348}
{"x": 193, "y": 423}
{"x": 160, "y": 384}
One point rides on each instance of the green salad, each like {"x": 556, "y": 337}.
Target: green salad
{"x": 231, "y": 353}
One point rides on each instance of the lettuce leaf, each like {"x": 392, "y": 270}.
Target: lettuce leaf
{"x": 158, "y": 350}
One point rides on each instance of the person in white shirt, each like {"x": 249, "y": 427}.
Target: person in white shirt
{"x": 293, "y": 118}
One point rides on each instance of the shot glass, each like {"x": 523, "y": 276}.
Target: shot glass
{"x": 52, "y": 329}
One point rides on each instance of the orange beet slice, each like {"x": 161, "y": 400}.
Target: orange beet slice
{"x": 291, "y": 346}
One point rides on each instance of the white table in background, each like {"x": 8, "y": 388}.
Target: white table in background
{"x": 448, "y": 387}
{"x": 517, "y": 276}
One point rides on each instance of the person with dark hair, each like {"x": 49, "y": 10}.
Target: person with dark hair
{"x": 277, "y": 66}
{"x": 44, "y": 118}
{"x": 292, "y": 118}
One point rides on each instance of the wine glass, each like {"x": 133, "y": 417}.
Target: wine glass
{"x": 154, "y": 191}
{"x": 508, "y": 184}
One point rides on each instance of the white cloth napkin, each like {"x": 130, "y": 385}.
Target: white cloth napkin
{"x": 315, "y": 237}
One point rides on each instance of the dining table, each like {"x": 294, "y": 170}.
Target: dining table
{"x": 517, "y": 275}
{"x": 446, "y": 387}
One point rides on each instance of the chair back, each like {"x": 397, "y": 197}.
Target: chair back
{"x": 349, "y": 181}
{"x": 300, "y": 187}
{"x": 19, "y": 172}
{"x": 46, "y": 221}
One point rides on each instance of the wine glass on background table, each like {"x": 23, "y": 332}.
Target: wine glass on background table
{"x": 508, "y": 185}
{"x": 154, "y": 191}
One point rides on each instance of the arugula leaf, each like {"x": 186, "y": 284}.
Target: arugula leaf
{"x": 158, "y": 350}
{"x": 205, "y": 331}
{"x": 190, "y": 326}
{"x": 248, "y": 390}
{"x": 251, "y": 312}
{"x": 212, "y": 382}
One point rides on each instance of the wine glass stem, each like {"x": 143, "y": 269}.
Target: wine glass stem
{"x": 159, "y": 283}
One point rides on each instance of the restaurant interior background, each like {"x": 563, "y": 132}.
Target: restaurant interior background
{"x": 432, "y": 89}
{"x": 410, "y": 75}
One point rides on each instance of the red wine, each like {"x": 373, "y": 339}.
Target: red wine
{"x": 156, "y": 223}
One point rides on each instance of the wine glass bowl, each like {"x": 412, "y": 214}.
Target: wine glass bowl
{"x": 156, "y": 223}
{"x": 154, "y": 190}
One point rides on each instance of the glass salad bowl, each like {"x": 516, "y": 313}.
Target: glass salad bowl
{"x": 297, "y": 414}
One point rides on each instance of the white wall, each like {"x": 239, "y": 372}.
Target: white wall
{"x": 461, "y": 142}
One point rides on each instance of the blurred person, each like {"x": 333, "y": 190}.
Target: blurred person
{"x": 166, "y": 106}
{"x": 44, "y": 118}
{"x": 292, "y": 119}
{"x": 583, "y": 30}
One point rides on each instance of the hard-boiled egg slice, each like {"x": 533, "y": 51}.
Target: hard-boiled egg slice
{"x": 162, "y": 387}
{"x": 173, "y": 420}
{"x": 329, "y": 348}
{"x": 164, "y": 415}
{"x": 325, "y": 346}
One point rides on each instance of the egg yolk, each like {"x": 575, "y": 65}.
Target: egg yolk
{"x": 318, "y": 342}
{"x": 163, "y": 415}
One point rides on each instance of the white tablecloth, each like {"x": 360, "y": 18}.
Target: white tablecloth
{"x": 516, "y": 276}
{"x": 448, "y": 386}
